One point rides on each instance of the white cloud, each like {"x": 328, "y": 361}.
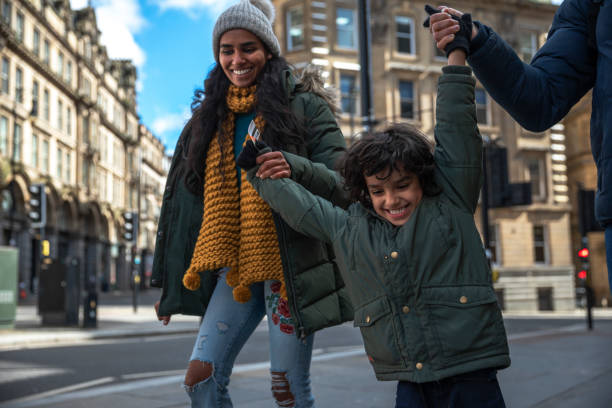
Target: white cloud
{"x": 193, "y": 7}
{"x": 170, "y": 122}
{"x": 119, "y": 21}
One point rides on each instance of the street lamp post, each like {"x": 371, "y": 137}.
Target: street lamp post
{"x": 365, "y": 59}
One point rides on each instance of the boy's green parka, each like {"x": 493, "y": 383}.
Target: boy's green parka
{"x": 422, "y": 292}
{"x": 316, "y": 293}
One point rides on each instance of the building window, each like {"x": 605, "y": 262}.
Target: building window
{"x": 68, "y": 121}
{"x": 69, "y": 72}
{"x": 60, "y": 115}
{"x": 60, "y": 64}
{"x": 481, "y": 106}
{"x": 46, "y": 52}
{"x": 348, "y": 93}
{"x": 19, "y": 26}
{"x": 17, "y": 142}
{"x": 60, "y": 163}
{"x": 86, "y": 129}
{"x": 494, "y": 247}
{"x": 46, "y": 105}
{"x": 540, "y": 247}
{"x": 3, "y": 135}
{"x": 34, "y": 150}
{"x": 528, "y": 45}
{"x": 86, "y": 91}
{"x": 6, "y": 12}
{"x": 295, "y": 28}
{"x": 35, "y": 86}
{"x": 45, "y": 156}
{"x": 36, "y": 42}
{"x": 67, "y": 167}
{"x": 406, "y": 91}
{"x": 19, "y": 85}
{"x": 5, "y": 75}
{"x": 405, "y": 34}
{"x": 535, "y": 169}
{"x": 346, "y": 34}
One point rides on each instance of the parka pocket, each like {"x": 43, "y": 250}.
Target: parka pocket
{"x": 375, "y": 320}
{"x": 466, "y": 320}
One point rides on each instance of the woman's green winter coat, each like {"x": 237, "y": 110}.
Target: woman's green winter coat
{"x": 422, "y": 292}
{"x": 316, "y": 292}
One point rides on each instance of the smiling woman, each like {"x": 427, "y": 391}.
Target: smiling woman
{"x": 221, "y": 252}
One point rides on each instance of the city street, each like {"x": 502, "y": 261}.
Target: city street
{"x": 555, "y": 363}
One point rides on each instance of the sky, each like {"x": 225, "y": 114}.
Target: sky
{"x": 169, "y": 41}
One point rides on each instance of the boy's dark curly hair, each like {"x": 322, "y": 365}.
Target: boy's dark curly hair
{"x": 395, "y": 147}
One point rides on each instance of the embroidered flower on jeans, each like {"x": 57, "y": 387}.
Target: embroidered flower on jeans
{"x": 286, "y": 328}
{"x": 283, "y": 307}
{"x": 275, "y": 287}
{"x": 275, "y": 319}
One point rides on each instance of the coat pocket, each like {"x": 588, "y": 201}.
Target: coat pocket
{"x": 466, "y": 321}
{"x": 375, "y": 320}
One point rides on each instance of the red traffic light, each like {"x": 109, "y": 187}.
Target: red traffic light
{"x": 583, "y": 253}
{"x": 582, "y": 274}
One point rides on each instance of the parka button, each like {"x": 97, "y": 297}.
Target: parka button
{"x": 419, "y": 366}
{"x": 463, "y": 299}
{"x": 394, "y": 254}
{"x": 406, "y": 309}
{"x": 160, "y": 234}
{"x": 368, "y": 319}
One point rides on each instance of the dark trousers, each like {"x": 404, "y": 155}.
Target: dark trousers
{"x": 477, "y": 389}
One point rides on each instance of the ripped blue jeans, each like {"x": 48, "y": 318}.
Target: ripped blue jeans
{"x": 225, "y": 329}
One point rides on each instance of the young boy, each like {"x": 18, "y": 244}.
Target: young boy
{"x": 409, "y": 251}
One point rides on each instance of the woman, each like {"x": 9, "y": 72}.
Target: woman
{"x": 227, "y": 256}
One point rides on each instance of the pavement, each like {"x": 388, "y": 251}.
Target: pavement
{"x": 564, "y": 367}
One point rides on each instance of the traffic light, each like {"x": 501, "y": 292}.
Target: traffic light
{"x": 38, "y": 206}
{"x": 500, "y": 192}
{"x": 130, "y": 226}
{"x": 583, "y": 273}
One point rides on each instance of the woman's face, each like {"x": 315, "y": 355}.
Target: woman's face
{"x": 242, "y": 56}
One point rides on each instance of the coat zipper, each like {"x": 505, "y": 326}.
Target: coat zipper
{"x": 288, "y": 279}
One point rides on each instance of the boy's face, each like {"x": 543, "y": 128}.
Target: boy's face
{"x": 394, "y": 195}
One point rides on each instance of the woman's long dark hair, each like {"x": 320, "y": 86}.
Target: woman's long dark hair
{"x": 284, "y": 130}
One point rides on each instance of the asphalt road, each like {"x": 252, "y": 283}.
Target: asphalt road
{"x": 36, "y": 370}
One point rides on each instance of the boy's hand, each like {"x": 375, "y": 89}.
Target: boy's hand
{"x": 248, "y": 156}
{"x": 273, "y": 165}
{"x": 451, "y": 28}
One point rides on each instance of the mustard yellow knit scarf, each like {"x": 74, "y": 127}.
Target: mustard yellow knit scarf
{"x": 237, "y": 227}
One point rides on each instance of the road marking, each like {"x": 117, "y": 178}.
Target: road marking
{"x": 71, "y": 392}
{"x": 11, "y": 371}
{"x": 539, "y": 333}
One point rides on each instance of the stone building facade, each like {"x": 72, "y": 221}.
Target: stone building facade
{"x": 69, "y": 120}
{"x": 531, "y": 244}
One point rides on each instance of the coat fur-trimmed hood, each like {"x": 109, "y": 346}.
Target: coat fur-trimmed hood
{"x": 311, "y": 80}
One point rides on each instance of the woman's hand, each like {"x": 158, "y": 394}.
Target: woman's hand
{"x": 273, "y": 165}
{"x": 164, "y": 319}
{"x": 443, "y": 27}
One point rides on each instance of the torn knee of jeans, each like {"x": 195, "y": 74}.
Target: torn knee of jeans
{"x": 198, "y": 371}
{"x": 222, "y": 327}
{"x": 282, "y": 390}
{"x": 201, "y": 341}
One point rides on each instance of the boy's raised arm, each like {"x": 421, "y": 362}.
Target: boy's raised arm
{"x": 458, "y": 152}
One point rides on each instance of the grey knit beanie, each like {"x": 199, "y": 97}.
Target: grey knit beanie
{"x": 255, "y": 16}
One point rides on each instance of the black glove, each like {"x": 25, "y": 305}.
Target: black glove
{"x": 462, "y": 37}
{"x": 250, "y": 151}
